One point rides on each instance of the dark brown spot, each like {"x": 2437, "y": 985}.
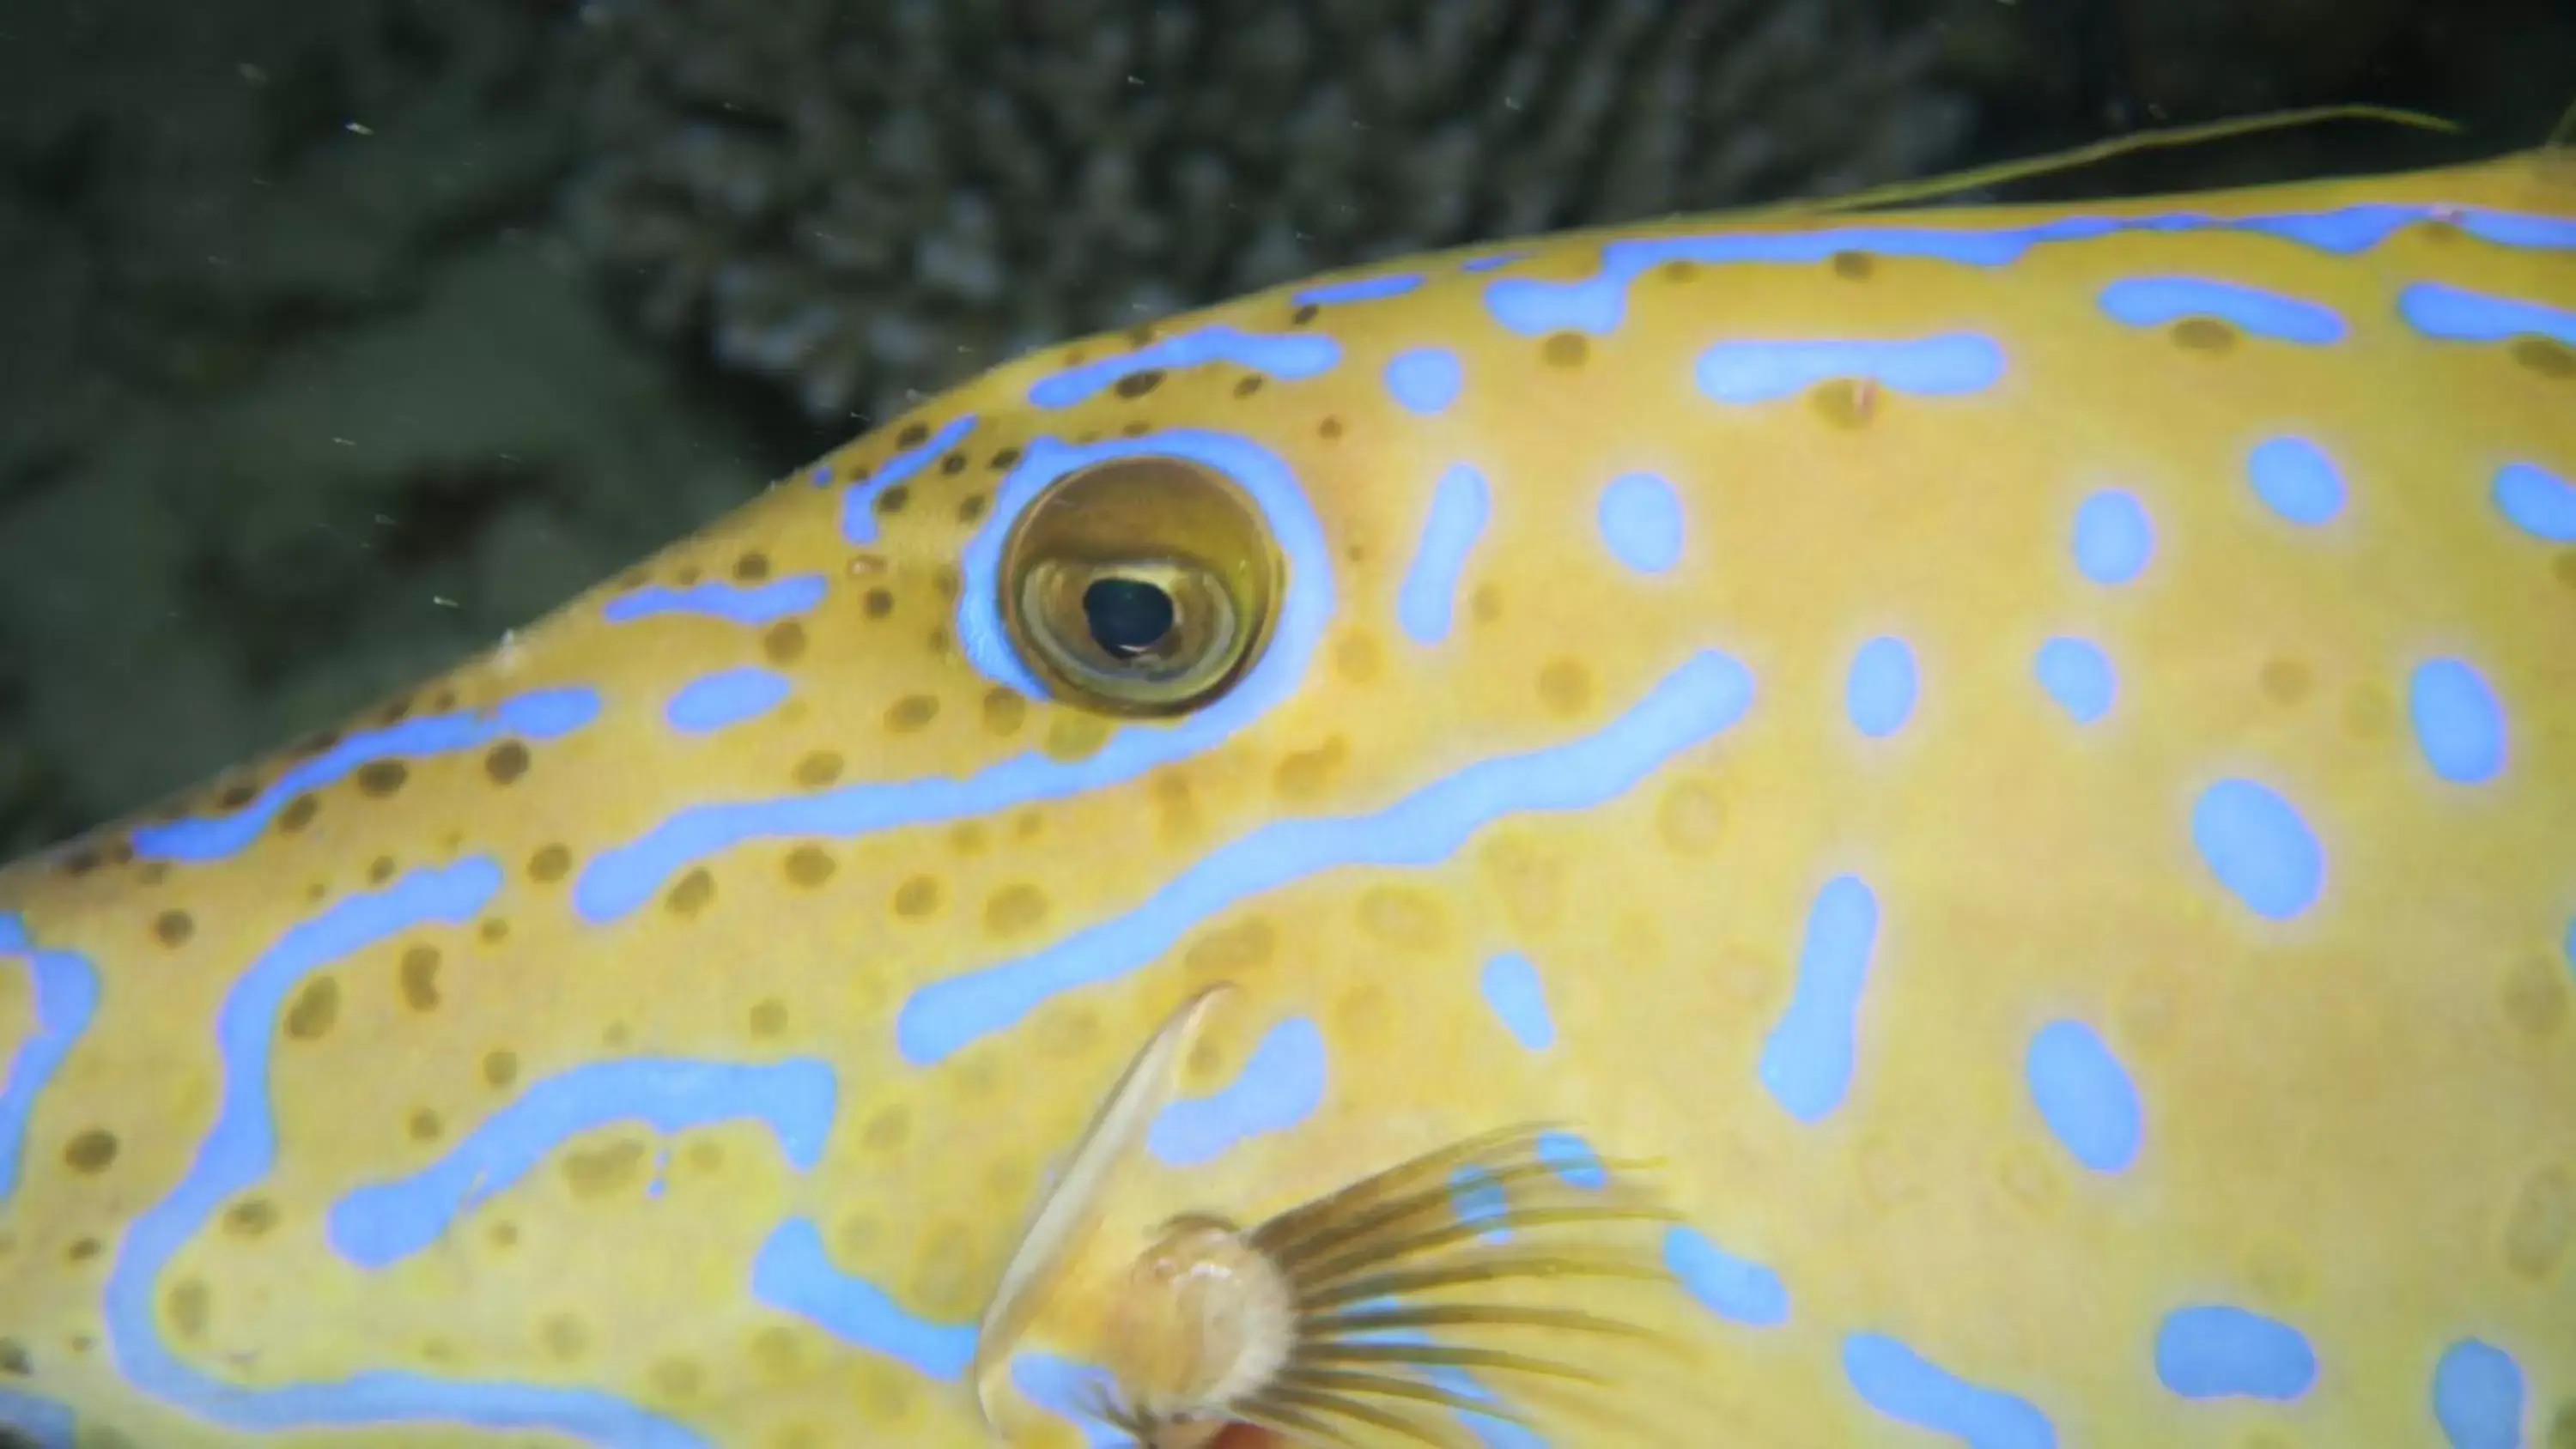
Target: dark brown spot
{"x": 174, "y": 927}
{"x": 299, "y": 812}
{"x": 500, "y": 1067}
{"x": 15, "y": 1360}
{"x": 90, "y": 1151}
{"x": 549, "y": 863}
{"x": 395, "y": 712}
{"x": 1137, "y": 384}
{"x": 237, "y": 794}
{"x": 2203, "y": 334}
{"x": 1854, "y": 266}
{"x": 878, "y": 603}
{"x": 946, "y": 581}
{"x": 695, "y": 892}
{"x": 1564, "y": 349}
{"x": 1004, "y": 710}
{"x": 953, "y": 464}
{"x": 82, "y": 1250}
{"x": 506, "y": 762}
{"x": 910, "y": 713}
{"x": 380, "y": 778}
{"x": 380, "y": 870}
{"x": 808, "y": 866}
{"x": 783, "y": 642}
{"x": 917, "y": 897}
{"x": 1133, "y": 430}
{"x": 893, "y": 499}
{"x": 1330, "y": 428}
{"x": 189, "y": 1307}
{"x": 913, "y": 435}
{"x": 494, "y": 930}
{"x": 2547, "y": 356}
{"x": 752, "y": 567}
{"x": 685, "y": 575}
{"x": 81, "y": 861}
{"x": 250, "y": 1218}
{"x": 153, "y": 872}
{"x": 1679, "y": 269}
{"x": 768, "y": 1017}
{"x": 1845, "y": 402}
{"x": 314, "y": 1010}
{"x": 424, "y": 1125}
{"x": 443, "y": 701}
{"x": 420, "y": 978}
{"x": 970, "y": 508}
{"x": 1004, "y": 459}
{"x": 1247, "y": 385}
{"x": 819, "y": 770}
{"x": 1305, "y": 314}
{"x": 1140, "y": 335}
{"x": 504, "y": 1235}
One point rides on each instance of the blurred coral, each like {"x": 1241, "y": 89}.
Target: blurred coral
{"x": 869, "y": 202}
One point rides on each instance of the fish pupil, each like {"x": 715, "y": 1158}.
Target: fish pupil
{"x": 1128, "y": 617}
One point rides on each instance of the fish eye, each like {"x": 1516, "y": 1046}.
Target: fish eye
{"x": 1141, "y": 586}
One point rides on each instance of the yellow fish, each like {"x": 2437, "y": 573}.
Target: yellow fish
{"x": 1944, "y": 826}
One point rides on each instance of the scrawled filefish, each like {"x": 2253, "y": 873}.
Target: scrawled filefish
{"x": 1932, "y": 826}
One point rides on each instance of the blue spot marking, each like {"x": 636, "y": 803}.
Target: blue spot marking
{"x": 2456, "y": 314}
{"x": 1366, "y": 289}
{"x": 2459, "y": 723}
{"x": 1879, "y": 693}
{"x": 621, "y": 879}
{"x": 794, "y": 1274}
{"x": 1070, "y": 1390}
{"x": 2084, "y": 1095}
{"x": 859, "y": 505}
{"x": 727, "y": 697}
{"x": 2537, "y": 501}
{"x": 2113, "y": 539}
{"x": 1725, "y": 1284}
{"x": 44, "y": 1423}
{"x": 1940, "y": 366}
{"x": 2078, "y": 675}
{"x": 1281, "y": 1085}
{"x": 1641, "y": 521}
{"x": 1807, "y": 1060}
{"x": 2155, "y": 301}
{"x": 376, "y": 1227}
{"x": 1514, "y": 991}
{"x": 1293, "y": 356}
{"x": 1693, "y": 704}
{"x": 1494, "y": 263}
{"x": 2259, "y": 847}
{"x": 1597, "y": 303}
{"x": 66, "y": 999}
{"x": 542, "y": 715}
{"x": 1425, "y": 380}
{"x": 1459, "y": 508}
{"x": 1573, "y": 1159}
{"x": 1911, "y": 1389}
{"x": 2477, "y": 1396}
{"x": 2213, "y": 1351}
{"x": 2296, "y": 480}
{"x": 755, "y": 605}
{"x": 242, "y": 1148}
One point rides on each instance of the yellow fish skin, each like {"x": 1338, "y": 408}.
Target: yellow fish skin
{"x": 2027, "y": 756}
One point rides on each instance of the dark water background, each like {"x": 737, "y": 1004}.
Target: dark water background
{"x": 335, "y": 339}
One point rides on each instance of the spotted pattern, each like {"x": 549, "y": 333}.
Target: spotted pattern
{"x": 2011, "y": 784}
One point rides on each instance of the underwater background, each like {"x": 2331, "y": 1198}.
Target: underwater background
{"x": 336, "y": 340}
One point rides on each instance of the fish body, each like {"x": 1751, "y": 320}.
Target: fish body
{"x": 2027, "y": 756}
